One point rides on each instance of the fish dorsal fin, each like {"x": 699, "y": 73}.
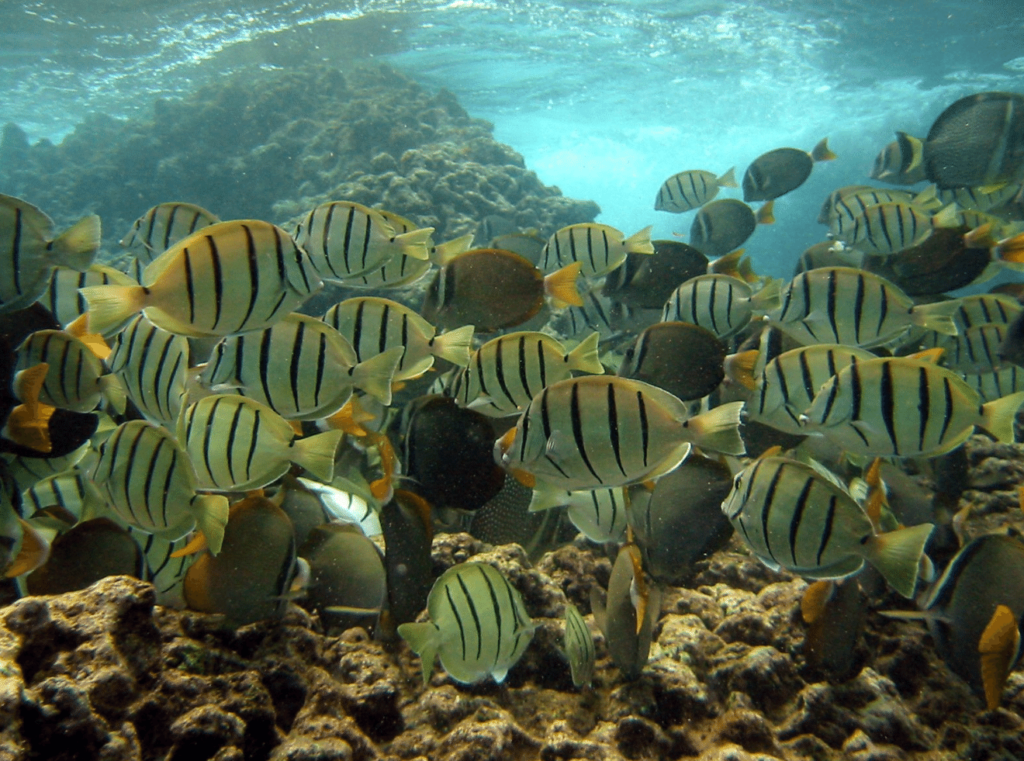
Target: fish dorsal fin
{"x": 773, "y": 451}
{"x": 827, "y": 474}
{"x": 814, "y": 599}
{"x": 998, "y": 647}
{"x": 928, "y": 355}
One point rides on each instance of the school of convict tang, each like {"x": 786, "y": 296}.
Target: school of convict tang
{"x": 251, "y": 415}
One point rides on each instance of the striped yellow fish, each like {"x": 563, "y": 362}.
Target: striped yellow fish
{"x": 789, "y": 383}
{"x": 165, "y": 566}
{"x": 599, "y": 514}
{"x": 601, "y": 431}
{"x": 478, "y": 625}
{"x": 904, "y": 407}
{"x": 579, "y": 647}
{"x": 888, "y": 228}
{"x": 598, "y": 248}
{"x": 688, "y": 190}
{"x": 231, "y": 277}
{"x": 374, "y": 325}
{"x": 843, "y": 305}
{"x": 66, "y": 303}
{"x": 976, "y": 350}
{"x": 505, "y": 373}
{"x": 76, "y": 379}
{"x": 720, "y": 303}
{"x": 29, "y": 251}
{"x": 299, "y": 367}
{"x": 796, "y": 516}
{"x": 152, "y": 365}
{"x": 345, "y": 239}
{"x": 164, "y": 225}
{"x": 845, "y": 205}
{"x": 150, "y": 483}
{"x": 991, "y": 386}
{"x": 238, "y": 444}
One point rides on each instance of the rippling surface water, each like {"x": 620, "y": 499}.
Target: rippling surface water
{"x": 604, "y": 99}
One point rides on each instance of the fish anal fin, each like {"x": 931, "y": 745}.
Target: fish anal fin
{"x": 998, "y": 646}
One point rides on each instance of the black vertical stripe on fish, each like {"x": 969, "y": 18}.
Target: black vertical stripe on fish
{"x": 807, "y": 307}
{"x": 858, "y": 307}
{"x": 296, "y": 363}
{"x": 883, "y": 310}
{"x": 833, "y": 393}
{"x": 644, "y": 425}
{"x": 497, "y": 615}
{"x": 889, "y": 405}
{"x": 147, "y": 487}
{"x": 347, "y": 239}
{"x": 572, "y": 247}
{"x": 713, "y": 304}
{"x": 324, "y": 248}
{"x": 476, "y": 616}
{"x": 826, "y": 533}
{"x": 321, "y": 365}
{"x": 169, "y": 226}
{"x": 499, "y": 370}
{"x": 924, "y": 405}
{"x": 769, "y": 499}
{"x": 523, "y": 379}
{"x": 458, "y": 619}
{"x": 855, "y": 384}
{"x": 129, "y": 469}
{"x": 168, "y": 479}
{"x": 798, "y": 515}
{"x": 152, "y": 225}
{"x": 403, "y": 335}
{"x": 264, "y": 357}
{"x": 480, "y": 374}
{"x": 613, "y": 428}
{"x": 948, "y": 416}
{"x": 542, "y": 365}
{"x": 590, "y": 249}
{"x": 189, "y": 287}
{"x": 805, "y": 372}
{"x": 884, "y": 219}
{"x": 357, "y": 329}
{"x": 252, "y": 445}
{"x": 367, "y": 229}
{"x": 254, "y": 272}
{"x": 728, "y": 306}
{"x": 577, "y": 430}
{"x": 831, "y": 305}
{"x": 218, "y": 281}
{"x": 207, "y": 435}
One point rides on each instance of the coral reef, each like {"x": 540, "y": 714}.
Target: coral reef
{"x": 727, "y": 678}
{"x": 273, "y": 144}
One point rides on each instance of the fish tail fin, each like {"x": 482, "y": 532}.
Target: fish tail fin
{"x": 766, "y": 214}
{"x": 423, "y": 639}
{"x": 728, "y": 264}
{"x": 415, "y": 243}
{"x": 947, "y": 216}
{"x": 374, "y": 375}
{"x": 728, "y": 180}
{"x": 718, "y": 429}
{"x": 998, "y": 645}
{"x": 350, "y": 418}
{"x": 640, "y": 242}
{"x": 113, "y": 392}
{"x": 897, "y": 555}
{"x": 585, "y": 357}
{"x": 998, "y": 415}
{"x": 769, "y": 298}
{"x": 316, "y": 454}
{"x": 110, "y": 305}
{"x": 79, "y": 243}
{"x": 937, "y": 317}
{"x": 821, "y": 151}
{"x": 454, "y": 346}
{"x": 546, "y": 497}
{"x": 561, "y": 285}
{"x": 1011, "y": 249}
{"x": 739, "y": 368}
{"x": 443, "y": 253}
{"x": 34, "y": 551}
{"x": 211, "y": 514}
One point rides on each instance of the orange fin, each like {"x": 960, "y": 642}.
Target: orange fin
{"x": 766, "y": 214}
{"x": 79, "y": 328}
{"x": 196, "y": 545}
{"x": 739, "y": 368}
{"x": 526, "y": 479}
{"x": 928, "y": 355}
{"x": 350, "y": 418}
{"x": 997, "y": 646}
{"x": 814, "y": 599}
{"x": 561, "y": 285}
{"x": 821, "y": 151}
{"x": 35, "y": 551}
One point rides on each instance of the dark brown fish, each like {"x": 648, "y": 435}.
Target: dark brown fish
{"x": 942, "y": 263}
{"x": 84, "y": 554}
{"x": 835, "y": 612}
{"x": 781, "y": 171}
{"x": 492, "y": 289}
{"x": 646, "y": 282}
{"x": 686, "y": 360}
{"x": 722, "y": 226}
{"x": 977, "y": 141}
{"x": 251, "y": 576}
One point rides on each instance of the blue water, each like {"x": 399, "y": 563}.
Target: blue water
{"x": 603, "y": 99}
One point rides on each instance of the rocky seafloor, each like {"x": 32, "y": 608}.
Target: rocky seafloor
{"x": 106, "y": 674}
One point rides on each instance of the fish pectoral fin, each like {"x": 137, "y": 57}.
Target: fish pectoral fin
{"x": 545, "y": 498}
{"x": 998, "y": 646}
{"x": 815, "y": 318}
{"x": 480, "y": 401}
{"x": 863, "y": 426}
{"x": 558, "y": 447}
